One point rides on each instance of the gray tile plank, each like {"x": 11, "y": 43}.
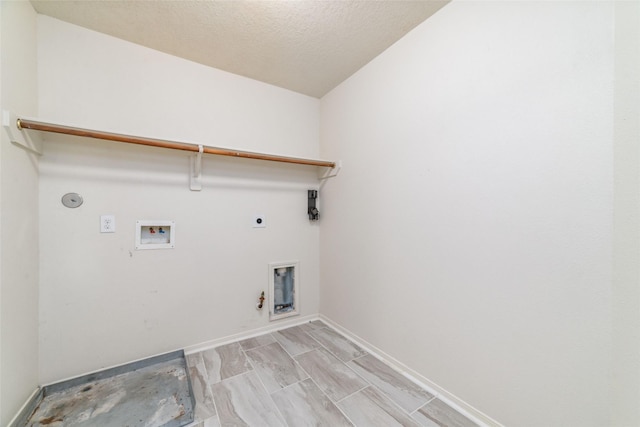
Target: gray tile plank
{"x": 259, "y": 341}
{"x": 399, "y": 389}
{"x": 210, "y": 422}
{"x": 313, "y": 325}
{"x": 225, "y": 375}
{"x": 225, "y": 362}
{"x": 243, "y": 401}
{"x": 437, "y": 413}
{"x": 318, "y": 324}
{"x": 295, "y": 340}
{"x": 304, "y": 404}
{"x": 203, "y": 396}
{"x": 333, "y": 377}
{"x": 275, "y": 367}
{"x": 342, "y": 347}
{"x": 370, "y": 407}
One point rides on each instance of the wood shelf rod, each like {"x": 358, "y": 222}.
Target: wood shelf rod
{"x": 130, "y": 139}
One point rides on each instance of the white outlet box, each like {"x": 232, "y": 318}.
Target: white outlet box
{"x": 259, "y": 221}
{"x": 107, "y": 224}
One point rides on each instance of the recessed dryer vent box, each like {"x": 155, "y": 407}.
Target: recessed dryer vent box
{"x": 283, "y": 290}
{"x": 155, "y": 234}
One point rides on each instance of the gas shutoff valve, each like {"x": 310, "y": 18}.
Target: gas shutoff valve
{"x": 313, "y": 212}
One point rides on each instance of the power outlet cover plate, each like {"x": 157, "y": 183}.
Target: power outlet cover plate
{"x": 107, "y": 224}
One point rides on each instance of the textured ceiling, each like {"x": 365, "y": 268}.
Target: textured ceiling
{"x": 308, "y": 46}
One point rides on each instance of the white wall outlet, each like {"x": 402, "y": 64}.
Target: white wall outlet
{"x": 259, "y": 221}
{"x": 107, "y": 224}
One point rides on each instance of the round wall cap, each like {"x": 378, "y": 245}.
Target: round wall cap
{"x": 72, "y": 200}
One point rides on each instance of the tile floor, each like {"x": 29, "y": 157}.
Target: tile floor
{"x": 307, "y": 375}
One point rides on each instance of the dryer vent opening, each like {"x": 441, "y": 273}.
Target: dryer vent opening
{"x": 284, "y": 289}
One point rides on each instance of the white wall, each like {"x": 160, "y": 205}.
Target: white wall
{"x": 625, "y": 409}
{"x": 18, "y": 215}
{"x": 469, "y": 235}
{"x": 471, "y": 225}
{"x": 101, "y": 301}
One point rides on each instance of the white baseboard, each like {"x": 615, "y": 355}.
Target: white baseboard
{"x": 271, "y": 327}
{"x": 19, "y": 414}
{"x": 433, "y": 388}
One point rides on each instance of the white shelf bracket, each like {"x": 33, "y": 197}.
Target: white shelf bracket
{"x": 333, "y": 172}
{"x": 195, "y": 177}
{"x": 27, "y": 141}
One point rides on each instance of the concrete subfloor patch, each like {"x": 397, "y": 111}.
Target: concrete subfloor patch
{"x": 151, "y": 393}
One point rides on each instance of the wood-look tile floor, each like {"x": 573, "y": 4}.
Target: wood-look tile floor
{"x": 307, "y": 375}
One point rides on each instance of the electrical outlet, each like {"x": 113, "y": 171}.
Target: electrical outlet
{"x": 107, "y": 224}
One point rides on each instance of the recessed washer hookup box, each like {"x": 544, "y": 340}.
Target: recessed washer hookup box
{"x": 155, "y": 234}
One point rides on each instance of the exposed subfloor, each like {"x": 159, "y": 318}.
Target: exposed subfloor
{"x": 150, "y": 393}
{"x": 307, "y": 375}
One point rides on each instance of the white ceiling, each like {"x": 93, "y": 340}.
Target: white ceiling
{"x": 308, "y": 46}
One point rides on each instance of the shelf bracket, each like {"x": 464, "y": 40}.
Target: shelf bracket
{"x": 195, "y": 176}
{"x": 333, "y": 172}
{"x": 27, "y": 141}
